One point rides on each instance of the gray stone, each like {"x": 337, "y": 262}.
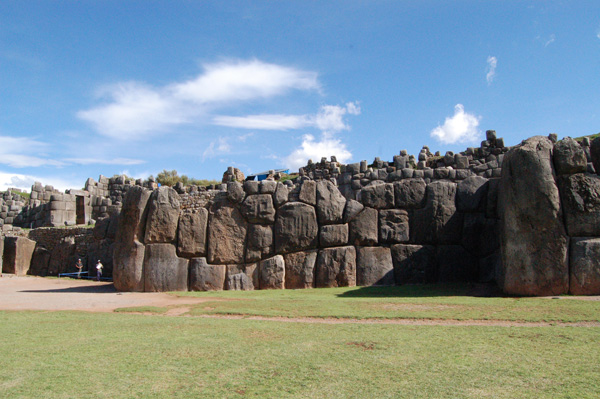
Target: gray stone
{"x": 299, "y": 269}
{"x": 226, "y": 233}
{"x": 352, "y": 209}
{"x": 569, "y": 157}
{"x": 393, "y": 226}
{"x": 378, "y": 196}
{"x": 595, "y": 153}
{"x": 251, "y": 187}
{"x": 242, "y": 277}
{"x": 491, "y": 207}
{"x": 259, "y": 209}
{"x": 456, "y": 264}
{"x": 336, "y": 267}
{"x": 191, "y": 235}
{"x": 580, "y": 196}
{"x": 330, "y": 203}
{"x": 333, "y": 235}
{"x": 272, "y": 273}
{"x": 308, "y": 192}
{"x": 438, "y": 222}
{"x": 374, "y": 266}
{"x": 584, "y": 277}
{"x": 128, "y": 266}
{"x": 163, "y": 215}
{"x": 295, "y": 228}
{"x": 235, "y": 192}
{"x": 363, "y": 228}
{"x": 163, "y": 270}
{"x": 268, "y": 186}
{"x": 18, "y": 252}
{"x": 489, "y": 268}
{"x": 63, "y": 258}
{"x": 260, "y": 242}
{"x": 414, "y": 264}
{"x": 480, "y": 236}
{"x": 205, "y": 277}
{"x": 533, "y": 240}
{"x": 39, "y": 261}
{"x": 471, "y": 194}
{"x": 410, "y": 193}
{"x": 281, "y": 195}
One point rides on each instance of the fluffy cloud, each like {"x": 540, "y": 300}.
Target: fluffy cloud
{"x": 133, "y": 110}
{"x": 550, "y": 40}
{"x": 459, "y": 128}
{"x": 99, "y": 161}
{"x": 217, "y": 147}
{"x": 315, "y": 150}
{"x": 24, "y": 182}
{"x": 14, "y": 152}
{"x": 491, "y": 69}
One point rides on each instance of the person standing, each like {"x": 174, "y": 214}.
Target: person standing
{"x": 79, "y": 266}
{"x": 98, "y": 270}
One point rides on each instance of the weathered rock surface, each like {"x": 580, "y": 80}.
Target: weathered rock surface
{"x": 128, "y": 266}
{"x": 595, "y": 153}
{"x": 39, "y": 261}
{"x": 18, "y": 252}
{"x": 272, "y": 273}
{"x": 281, "y": 194}
{"x": 333, "y": 235}
{"x": 63, "y": 257}
{"x": 410, "y": 193}
{"x": 455, "y": 264}
{"x": 295, "y": 228}
{"x": 259, "y": 209}
{"x": 242, "y": 277}
{"x": 480, "y": 234}
{"x": 330, "y": 203}
{"x": 191, "y": 235}
{"x": 569, "y": 157}
{"x": 205, "y": 277}
{"x": 163, "y": 270}
{"x": 353, "y": 208}
{"x": 374, "y": 266}
{"x": 308, "y": 192}
{"x": 260, "y": 242}
{"x": 378, "y": 196}
{"x": 580, "y": 194}
{"x": 226, "y": 233}
{"x": 414, "y": 264}
{"x": 132, "y": 220}
{"x": 235, "y": 192}
{"x": 533, "y": 239}
{"x": 163, "y": 215}
{"x": 471, "y": 193}
{"x": 336, "y": 267}
{"x": 363, "y": 228}
{"x": 438, "y": 222}
{"x": 584, "y": 266}
{"x": 393, "y": 226}
{"x": 299, "y": 269}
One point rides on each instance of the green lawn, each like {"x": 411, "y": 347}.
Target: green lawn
{"x": 94, "y": 355}
{"x": 412, "y": 302}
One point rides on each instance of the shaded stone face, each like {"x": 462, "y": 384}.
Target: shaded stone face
{"x": 580, "y": 194}
{"x": 299, "y": 269}
{"x": 414, "y": 264}
{"x": 272, "y": 273}
{"x": 163, "y": 215}
{"x": 132, "y": 220}
{"x": 569, "y": 157}
{"x": 363, "y": 228}
{"x": 242, "y": 277}
{"x": 336, "y": 267}
{"x": 295, "y": 228}
{"x": 259, "y": 209}
{"x": 191, "y": 235}
{"x": 333, "y": 235}
{"x": 471, "y": 194}
{"x": 584, "y": 266}
{"x": 260, "y": 242}
{"x": 128, "y": 264}
{"x": 393, "y": 226}
{"x": 533, "y": 239}
{"x": 226, "y": 234}
{"x": 374, "y": 266}
{"x": 163, "y": 270}
{"x": 410, "y": 193}
{"x": 330, "y": 203}
{"x": 205, "y": 277}
{"x": 379, "y": 196}
{"x": 18, "y": 252}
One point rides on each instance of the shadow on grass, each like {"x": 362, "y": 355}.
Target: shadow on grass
{"x": 88, "y": 289}
{"x": 425, "y": 290}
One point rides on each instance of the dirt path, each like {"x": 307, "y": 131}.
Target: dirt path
{"x": 36, "y": 293}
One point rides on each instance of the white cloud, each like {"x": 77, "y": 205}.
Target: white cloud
{"x": 550, "y": 40}
{"x": 133, "y": 110}
{"x": 598, "y": 33}
{"x": 315, "y": 150}
{"x": 217, "y": 147}
{"x": 98, "y": 161}
{"x": 24, "y": 182}
{"x": 460, "y": 128}
{"x": 15, "y": 152}
{"x": 491, "y": 69}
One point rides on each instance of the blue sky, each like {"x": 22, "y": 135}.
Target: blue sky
{"x": 109, "y": 87}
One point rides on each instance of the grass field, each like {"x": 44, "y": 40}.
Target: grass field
{"x": 122, "y": 355}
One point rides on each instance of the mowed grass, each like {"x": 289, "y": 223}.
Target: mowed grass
{"x": 117, "y": 355}
{"x": 403, "y": 302}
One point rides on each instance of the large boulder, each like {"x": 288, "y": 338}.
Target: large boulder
{"x": 353, "y": 208}
{"x": 39, "y": 261}
{"x": 438, "y": 222}
{"x": 414, "y": 264}
{"x": 260, "y": 242}
{"x": 259, "y": 209}
{"x": 569, "y": 157}
{"x": 580, "y": 195}
{"x": 410, "y": 193}
{"x": 333, "y": 235}
{"x": 480, "y": 235}
{"x": 163, "y": 270}
{"x": 163, "y": 215}
{"x": 191, "y": 234}
{"x": 308, "y": 192}
{"x": 374, "y": 266}
{"x": 132, "y": 219}
{"x": 295, "y": 228}
{"x": 281, "y": 194}
{"x": 584, "y": 266}
{"x": 330, "y": 203}
{"x": 534, "y": 244}
{"x": 378, "y": 196}
{"x": 363, "y": 228}
{"x": 226, "y": 233}
{"x": 455, "y": 264}
{"x": 336, "y": 267}
{"x": 18, "y": 252}
{"x": 63, "y": 257}
{"x": 471, "y": 194}
{"x": 272, "y": 273}
{"x": 299, "y": 269}
{"x": 235, "y": 192}
{"x": 242, "y": 277}
{"x": 205, "y": 277}
{"x": 393, "y": 226}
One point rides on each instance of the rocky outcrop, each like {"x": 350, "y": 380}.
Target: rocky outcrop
{"x": 534, "y": 241}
